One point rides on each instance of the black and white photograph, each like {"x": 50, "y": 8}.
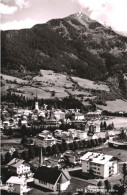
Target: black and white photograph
{"x": 63, "y": 108}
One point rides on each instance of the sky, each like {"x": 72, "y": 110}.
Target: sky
{"x": 17, "y": 14}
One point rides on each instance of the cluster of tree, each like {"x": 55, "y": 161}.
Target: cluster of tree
{"x": 107, "y": 113}
{"x": 60, "y": 148}
{"x": 122, "y": 85}
{"x": 8, "y": 157}
{"x": 21, "y": 101}
{"x": 104, "y": 126}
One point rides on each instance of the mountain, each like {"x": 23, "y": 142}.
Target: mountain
{"x": 76, "y": 45}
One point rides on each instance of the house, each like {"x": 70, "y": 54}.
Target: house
{"x": 94, "y": 128}
{"x": 44, "y": 140}
{"x": 81, "y": 134}
{"x": 72, "y": 157}
{"x": 58, "y": 133}
{"x": 77, "y": 116}
{"x": 73, "y": 132}
{"x": 59, "y": 115}
{"x": 6, "y": 124}
{"x": 17, "y": 185}
{"x": 52, "y": 179}
{"x": 18, "y": 166}
{"x": 99, "y": 164}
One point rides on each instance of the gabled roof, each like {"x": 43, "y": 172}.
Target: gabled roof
{"x": 50, "y": 175}
{"x": 15, "y": 162}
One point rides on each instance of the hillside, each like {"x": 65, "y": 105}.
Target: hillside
{"x": 76, "y": 45}
{"x": 48, "y": 85}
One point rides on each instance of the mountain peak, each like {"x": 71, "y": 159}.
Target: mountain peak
{"x": 80, "y": 15}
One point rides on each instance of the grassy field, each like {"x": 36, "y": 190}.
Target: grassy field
{"x": 119, "y": 122}
{"x": 47, "y": 81}
{"x": 85, "y": 83}
{"x": 119, "y": 153}
{"x": 114, "y": 106}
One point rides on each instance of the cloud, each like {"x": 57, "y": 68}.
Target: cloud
{"x": 27, "y": 23}
{"x": 22, "y": 3}
{"x": 5, "y": 9}
{"x": 110, "y": 12}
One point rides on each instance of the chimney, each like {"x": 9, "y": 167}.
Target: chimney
{"x": 41, "y": 158}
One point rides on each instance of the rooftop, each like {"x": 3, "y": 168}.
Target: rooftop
{"x": 16, "y": 180}
{"x": 15, "y": 162}
{"x": 98, "y": 158}
{"x": 50, "y": 175}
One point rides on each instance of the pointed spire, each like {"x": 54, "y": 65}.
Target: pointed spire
{"x": 36, "y": 96}
{"x": 41, "y": 158}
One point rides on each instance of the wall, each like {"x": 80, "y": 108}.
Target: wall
{"x": 48, "y": 186}
{"x": 64, "y": 185}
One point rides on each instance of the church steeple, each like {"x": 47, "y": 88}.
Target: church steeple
{"x": 36, "y": 103}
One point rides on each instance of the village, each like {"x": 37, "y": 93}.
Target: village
{"x": 62, "y": 151}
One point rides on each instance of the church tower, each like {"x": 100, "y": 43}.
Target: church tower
{"x": 36, "y": 103}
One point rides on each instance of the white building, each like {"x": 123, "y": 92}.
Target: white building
{"x": 78, "y": 116}
{"x": 18, "y": 166}
{"x": 99, "y": 164}
{"x": 59, "y": 115}
{"x": 44, "y": 140}
{"x": 17, "y": 185}
{"x": 82, "y": 134}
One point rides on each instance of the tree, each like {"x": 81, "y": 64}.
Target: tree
{"x": 24, "y": 155}
{"x": 71, "y": 146}
{"x": 80, "y": 144}
{"x": 100, "y": 184}
{"x": 49, "y": 150}
{"x": 93, "y": 142}
{"x": 76, "y": 145}
{"x": 15, "y": 154}
{"x": 60, "y": 147}
{"x": 84, "y": 144}
{"x": 31, "y": 153}
{"x": 2, "y": 159}
{"x": 104, "y": 140}
{"x": 8, "y": 157}
{"x": 116, "y": 189}
{"x": 105, "y": 125}
{"x": 107, "y": 185}
{"x": 101, "y": 125}
{"x": 100, "y": 140}
{"x": 55, "y": 149}
{"x": 24, "y": 140}
{"x": 65, "y": 146}
{"x": 89, "y": 144}
{"x": 124, "y": 171}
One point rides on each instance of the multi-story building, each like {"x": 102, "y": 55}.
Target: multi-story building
{"x": 44, "y": 140}
{"x": 99, "y": 164}
{"x": 18, "y": 166}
